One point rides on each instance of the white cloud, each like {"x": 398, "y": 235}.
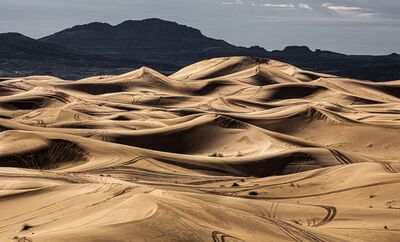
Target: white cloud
{"x": 349, "y": 10}
{"x": 305, "y": 6}
{"x": 283, "y": 5}
{"x": 236, "y": 2}
{"x": 287, "y": 6}
{"x": 341, "y": 8}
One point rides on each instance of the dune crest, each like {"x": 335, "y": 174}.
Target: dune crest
{"x": 227, "y": 149}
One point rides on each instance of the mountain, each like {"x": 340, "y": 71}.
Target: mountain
{"x": 21, "y": 56}
{"x": 102, "y": 38}
{"x": 376, "y": 68}
{"x": 100, "y": 48}
{"x": 159, "y": 41}
{"x": 18, "y": 46}
{"x": 153, "y": 40}
{"x": 293, "y": 51}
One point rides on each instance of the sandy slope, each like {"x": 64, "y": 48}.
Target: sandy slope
{"x": 228, "y": 149}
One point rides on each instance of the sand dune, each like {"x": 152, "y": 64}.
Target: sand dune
{"x": 228, "y": 149}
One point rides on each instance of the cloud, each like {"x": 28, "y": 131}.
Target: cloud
{"x": 341, "y": 8}
{"x": 282, "y": 5}
{"x": 305, "y": 6}
{"x": 349, "y": 10}
{"x": 287, "y": 5}
{"x": 236, "y": 2}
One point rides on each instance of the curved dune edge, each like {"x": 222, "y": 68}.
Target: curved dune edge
{"x": 227, "y": 149}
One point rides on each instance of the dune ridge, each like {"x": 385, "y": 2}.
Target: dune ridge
{"x": 227, "y": 149}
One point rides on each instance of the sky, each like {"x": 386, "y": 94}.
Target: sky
{"x": 346, "y": 26}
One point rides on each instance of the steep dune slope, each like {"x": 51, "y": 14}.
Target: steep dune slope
{"x": 228, "y": 149}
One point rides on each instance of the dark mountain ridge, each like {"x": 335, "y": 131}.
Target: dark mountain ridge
{"x": 154, "y": 40}
{"x": 134, "y": 39}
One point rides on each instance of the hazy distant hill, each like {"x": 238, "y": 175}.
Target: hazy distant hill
{"x": 101, "y": 48}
